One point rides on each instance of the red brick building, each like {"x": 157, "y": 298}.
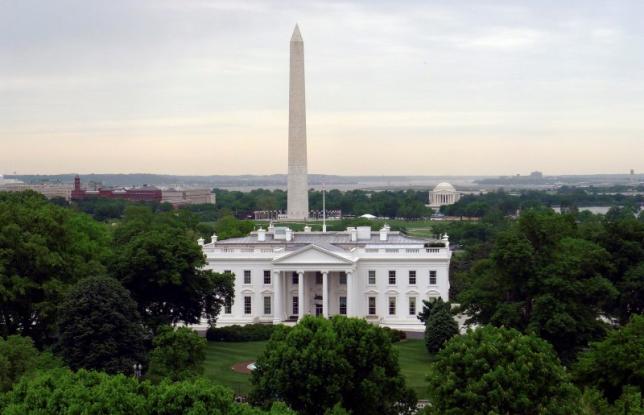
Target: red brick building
{"x": 133, "y": 194}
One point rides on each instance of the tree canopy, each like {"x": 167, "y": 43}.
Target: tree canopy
{"x": 43, "y": 249}
{"x": 100, "y": 327}
{"x": 440, "y": 326}
{"x": 541, "y": 277}
{"x": 178, "y": 354}
{"x": 499, "y": 371}
{"x": 158, "y": 260}
{"x": 321, "y": 363}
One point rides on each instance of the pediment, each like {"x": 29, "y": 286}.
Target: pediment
{"x": 312, "y": 254}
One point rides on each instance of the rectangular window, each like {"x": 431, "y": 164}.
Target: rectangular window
{"x": 267, "y": 277}
{"x": 228, "y": 306}
{"x": 372, "y": 306}
{"x": 246, "y": 276}
{"x": 412, "y": 277}
{"x": 267, "y": 305}
{"x": 343, "y": 278}
{"x": 343, "y": 305}
{"x": 318, "y": 278}
{"x": 412, "y": 306}
{"x": 294, "y": 278}
{"x": 372, "y": 277}
{"x": 432, "y": 277}
{"x": 247, "y": 305}
{"x": 392, "y": 306}
{"x": 296, "y": 306}
{"x": 392, "y": 277}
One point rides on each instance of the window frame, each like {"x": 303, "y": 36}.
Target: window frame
{"x": 372, "y": 310}
{"x": 412, "y": 275}
{"x": 342, "y": 308}
{"x": 267, "y": 273}
{"x": 248, "y": 305}
{"x": 268, "y": 303}
{"x": 433, "y": 276}
{"x": 392, "y": 274}
{"x": 296, "y": 305}
{"x": 391, "y": 302}
{"x": 413, "y": 302}
{"x": 369, "y": 277}
{"x": 248, "y": 277}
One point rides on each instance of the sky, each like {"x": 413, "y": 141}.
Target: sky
{"x": 393, "y": 87}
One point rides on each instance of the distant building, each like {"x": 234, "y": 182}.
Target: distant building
{"x": 133, "y": 194}
{"x": 48, "y": 190}
{"x": 443, "y": 194}
{"x": 180, "y": 197}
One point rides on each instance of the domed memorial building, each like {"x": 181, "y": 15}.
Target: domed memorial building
{"x": 443, "y": 194}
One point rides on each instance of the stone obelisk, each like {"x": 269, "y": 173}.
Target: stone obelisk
{"x": 297, "y": 206}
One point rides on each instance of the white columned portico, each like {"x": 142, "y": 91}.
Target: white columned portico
{"x": 300, "y": 295}
{"x": 325, "y": 294}
{"x": 350, "y": 297}
{"x": 278, "y": 313}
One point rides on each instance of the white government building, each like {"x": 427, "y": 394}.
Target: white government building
{"x": 282, "y": 275}
{"x": 442, "y": 195}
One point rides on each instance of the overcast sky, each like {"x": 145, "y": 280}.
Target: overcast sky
{"x": 393, "y": 87}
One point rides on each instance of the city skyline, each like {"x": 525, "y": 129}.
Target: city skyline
{"x": 201, "y": 87}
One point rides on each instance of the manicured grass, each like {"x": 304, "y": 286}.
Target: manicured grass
{"x": 221, "y": 356}
{"x": 414, "y": 364}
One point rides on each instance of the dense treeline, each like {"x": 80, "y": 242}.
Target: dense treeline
{"x": 568, "y": 198}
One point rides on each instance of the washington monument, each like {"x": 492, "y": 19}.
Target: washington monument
{"x": 297, "y": 206}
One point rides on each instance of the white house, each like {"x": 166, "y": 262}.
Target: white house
{"x": 281, "y": 275}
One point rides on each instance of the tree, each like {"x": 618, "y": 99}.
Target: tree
{"x": 65, "y": 392}
{"x": 100, "y": 327}
{"x": 542, "y": 278}
{"x": 501, "y": 371}
{"x": 615, "y": 362}
{"x": 18, "y": 356}
{"x": 340, "y": 362}
{"x": 43, "y": 250}
{"x": 158, "y": 260}
{"x": 440, "y": 326}
{"x": 178, "y": 354}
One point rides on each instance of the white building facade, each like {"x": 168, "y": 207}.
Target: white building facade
{"x": 281, "y": 275}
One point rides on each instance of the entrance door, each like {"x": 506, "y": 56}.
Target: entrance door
{"x": 318, "y": 309}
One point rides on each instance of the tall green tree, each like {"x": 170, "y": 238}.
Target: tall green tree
{"x": 100, "y": 327}
{"x": 178, "y": 354}
{"x": 44, "y": 249}
{"x": 541, "y": 277}
{"x": 18, "y": 357}
{"x": 440, "y": 326}
{"x": 615, "y": 362}
{"x": 500, "y": 371}
{"x": 158, "y": 260}
{"x": 321, "y": 364}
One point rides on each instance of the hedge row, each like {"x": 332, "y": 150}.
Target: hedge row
{"x": 247, "y": 333}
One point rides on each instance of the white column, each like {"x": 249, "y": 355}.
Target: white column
{"x": 300, "y": 295}
{"x": 278, "y": 307}
{"x": 325, "y": 294}
{"x": 350, "y": 296}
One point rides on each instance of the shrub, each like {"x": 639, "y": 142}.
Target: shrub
{"x": 178, "y": 354}
{"x": 439, "y": 328}
{"x": 395, "y": 335}
{"x": 235, "y": 333}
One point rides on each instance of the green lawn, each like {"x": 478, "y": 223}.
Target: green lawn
{"x": 221, "y": 356}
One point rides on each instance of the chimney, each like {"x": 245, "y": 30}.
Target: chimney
{"x": 446, "y": 240}
{"x": 213, "y": 238}
{"x": 289, "y": 234}
{"x": 307, "y": 229}
{"x": 383, "y": 233}
{"x": 200, "y": 241}
{"x": 353, "y": 232}
{"x": 261, "y": 235}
